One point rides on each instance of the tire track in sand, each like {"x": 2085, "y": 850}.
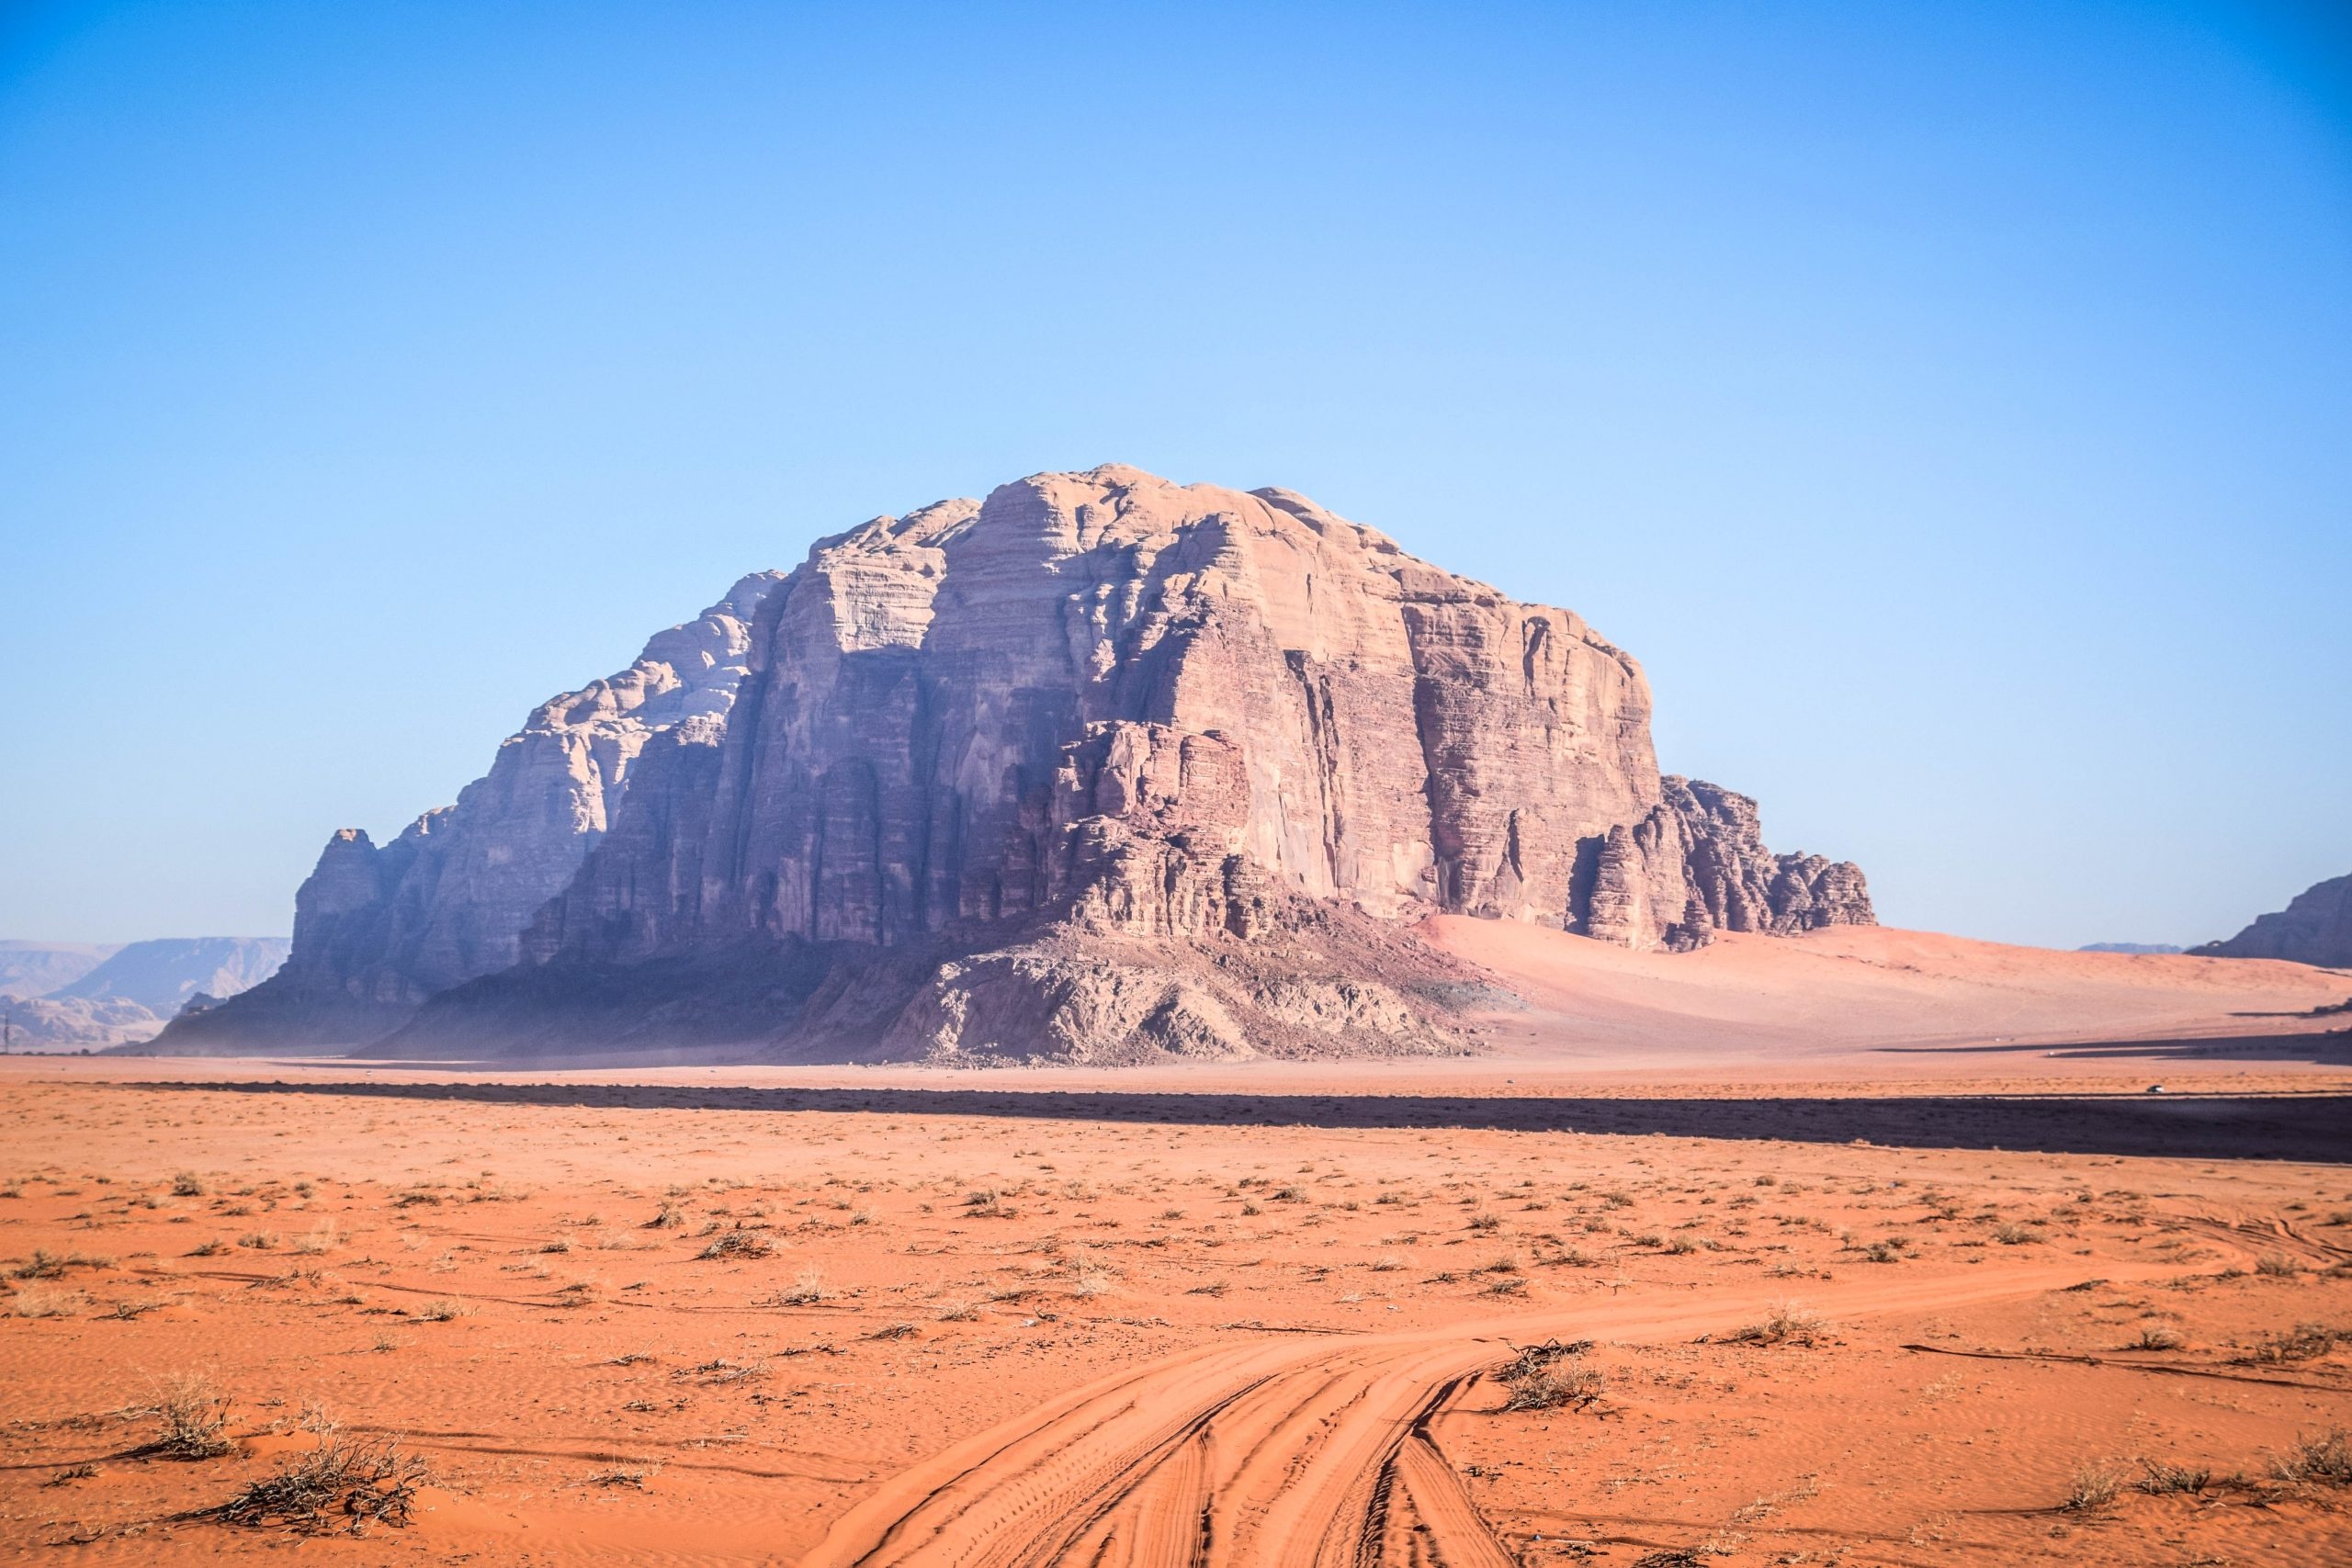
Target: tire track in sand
{"x": 1276, "y": 1451}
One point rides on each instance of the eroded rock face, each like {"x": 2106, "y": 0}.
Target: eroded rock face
{"x": 379, "y": 930}
{"x": 2315, "y": 928}
{"x": 1102, "y": 767}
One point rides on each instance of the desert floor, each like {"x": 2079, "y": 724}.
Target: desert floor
{"x": 1852, "y": 1304}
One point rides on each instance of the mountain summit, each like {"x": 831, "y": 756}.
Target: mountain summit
{"x": 1101, "y": 768}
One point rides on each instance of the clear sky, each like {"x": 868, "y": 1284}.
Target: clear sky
{"x": 1950, "y": 404}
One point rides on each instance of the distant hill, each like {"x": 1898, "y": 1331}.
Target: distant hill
{"x": 100, "y": 995}
{"x": 2127, "y": 947}
{"x": 161, "y": 976}
{"x": 37, "y": 968}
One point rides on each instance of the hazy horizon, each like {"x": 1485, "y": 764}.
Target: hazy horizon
{"x": 1949, "y": 411}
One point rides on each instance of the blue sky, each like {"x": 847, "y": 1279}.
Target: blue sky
{"x": 1951, "y": 405}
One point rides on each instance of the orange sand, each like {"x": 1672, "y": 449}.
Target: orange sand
{"x": 1247, "y": 1314}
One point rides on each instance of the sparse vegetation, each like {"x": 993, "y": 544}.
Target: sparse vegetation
{"x": 2162, "y": 1478}
{"x": 342, "y": 1486}
{"x": 191, "y": 1418}
{"x": 738, "y": 1244}
{"x": 1788, "y": 1322}
{"x": 1551, "y": 1376}
{"x": 2322, "y": 1458}
{"x": 2094, "y": 1487}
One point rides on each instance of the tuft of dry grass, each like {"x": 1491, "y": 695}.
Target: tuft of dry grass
{"x": 2278, "y": 1265}
{"x": 2162, "y": 1478}
{"x": 1788, "y": 1322}
{"x": 443, "y": 1310}
{"x": 191, "y": 1418}
{"x": 2092, "y": 1487}
{"x": 46, "y": 1301}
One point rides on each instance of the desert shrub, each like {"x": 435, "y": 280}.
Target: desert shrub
{"x": 191, "y": 1418}
{"x": 340, "y": 1487}
{"x": 2158, "y": 1337}
{"x": 42, "y": 1265}
{"x": 2092, "y": 1488}
{"x": 2278, "y": 1265}
{"x": 1788, "y": 1322}
{"x": 2014, "y": 1235}
{"x": 2303, "y": 1343}
{"x": 45, "y": 1301}
{"x": 1550, "y": 1377}
{"x": 2319, "y": 1460}
{"x": 188, "y": 1184}
{"x": 738, "y": 1244}
{"x": 320, "y": 1238}
{"x": 2162, "y": 1478}
{"x": 807, "y": 1289}
{"x": 442, "y": 1311}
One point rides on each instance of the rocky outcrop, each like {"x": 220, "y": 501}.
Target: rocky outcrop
{"x": 2315, "y": 928}
{"x": 1102, "y": 767}
{"x": 377, "y": 929}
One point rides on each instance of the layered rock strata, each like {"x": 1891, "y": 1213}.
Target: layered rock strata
{"x": 379, "y": 929}
{"x": 1102, "y": 767}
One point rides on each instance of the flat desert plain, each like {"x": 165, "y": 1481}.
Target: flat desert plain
{"x": 1865, "y": 1248}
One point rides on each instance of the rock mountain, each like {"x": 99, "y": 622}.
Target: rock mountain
{"x": 2315, "y": 928}
{"x": 1101, "y": 768}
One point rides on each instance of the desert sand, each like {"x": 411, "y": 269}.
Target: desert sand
{"x": 1878, "y": 1252}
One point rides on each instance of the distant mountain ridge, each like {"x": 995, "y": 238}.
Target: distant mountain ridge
{"x": 30, "y": 969}
{"x": 2139, "y": 947}
{"x": 111, "y": 994}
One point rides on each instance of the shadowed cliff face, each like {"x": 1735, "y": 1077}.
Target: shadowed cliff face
{"x": 2315, "y": 928}
{"x": 1219, "y": 731}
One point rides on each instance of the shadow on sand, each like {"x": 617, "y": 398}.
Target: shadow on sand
{"x": 2314, "y": 1128}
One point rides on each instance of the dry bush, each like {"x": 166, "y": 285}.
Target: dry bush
{"x": 2092, "y": 1488}
{"x": 738, "y": 1244}
{"x": 188, "y": 1184}
{"x": 191, "y": 1418}
{"x": 2321, "y": 1460}
{"x": 2278, "y": 1265}
{"x": 340, "y": 1487}
{"x": 2165, "y": 1477}
{"x": 1537, "y": 1379}
{"x": 2305, "y": 1342}
{"x": 321, "y": 1238}
{"x": 2158, "y": 1337}
{"x": 442, "y": 1311}
{"x": 2013, "y": 1235}
{"x": 1788, "y": 1322}
{"x": 807, "y": 1289}
{"x": 46, "y": 1301}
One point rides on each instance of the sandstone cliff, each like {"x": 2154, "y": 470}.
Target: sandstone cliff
{"x": 1101, "y": 767}
{"x": 2315, "y": 928}
{"x": 378, "y": 929}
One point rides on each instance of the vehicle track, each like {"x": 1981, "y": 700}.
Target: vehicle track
{"x": 1278, "y": 1451}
